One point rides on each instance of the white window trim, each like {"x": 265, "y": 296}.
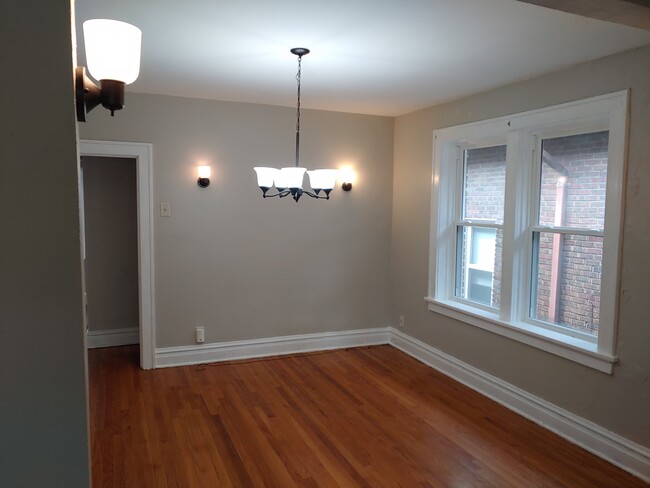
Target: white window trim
{"x": 520, "y": 132}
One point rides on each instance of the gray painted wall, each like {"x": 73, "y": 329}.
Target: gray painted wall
{"x": 110, "y": 211}
{"x": 223, "y": 258}
{"x": 619, "y": 402}
{"x": 43, "y": 407}
{"x": 245, "y": 267}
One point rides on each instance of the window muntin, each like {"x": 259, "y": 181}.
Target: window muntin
{"x": 525, "y": 226}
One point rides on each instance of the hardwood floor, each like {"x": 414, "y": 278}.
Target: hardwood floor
{"x": 364, "y": 417}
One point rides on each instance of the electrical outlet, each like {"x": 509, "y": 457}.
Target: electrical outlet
{"x": 200, "y": 335}
{"x": 401, "y": 320}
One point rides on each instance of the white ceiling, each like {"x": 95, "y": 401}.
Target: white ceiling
{"x": 384, "y": 57}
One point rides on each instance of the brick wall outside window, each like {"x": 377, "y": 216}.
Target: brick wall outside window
{"x": 582, "y": 160}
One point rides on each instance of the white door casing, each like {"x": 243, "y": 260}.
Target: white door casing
{"x": 142, "y": 153}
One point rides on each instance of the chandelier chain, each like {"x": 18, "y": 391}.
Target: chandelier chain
{"x": 298, "y": 104}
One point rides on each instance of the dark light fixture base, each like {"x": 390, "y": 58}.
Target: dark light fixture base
{"x": 112, "y": 95}
{"x": 346, "y": 186}
{"x": 203, "y": 182}
{"x": 300, "y": 51}
{"x": 88, "y": 95}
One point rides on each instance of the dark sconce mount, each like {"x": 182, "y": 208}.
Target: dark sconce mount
{"x": 346, "y": 186}
{"x": 88, "y": 95}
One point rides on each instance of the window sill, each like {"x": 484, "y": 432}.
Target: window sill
{"x": 571, "y": 348}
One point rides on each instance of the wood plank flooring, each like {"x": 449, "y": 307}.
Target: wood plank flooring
{"x": 363, "y": 417}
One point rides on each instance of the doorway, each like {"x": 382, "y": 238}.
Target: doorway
{"x": 124, "y": 158}
{"x": 110, "y": 253}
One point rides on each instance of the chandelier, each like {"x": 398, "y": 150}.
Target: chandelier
{"x": 288, "y": 181}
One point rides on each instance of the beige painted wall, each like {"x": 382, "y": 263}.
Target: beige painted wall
{"x": 43, "y": 408}
{"x": 245, "y": 267}
{"x": 111, "y": 226}
{"x": 619, "y": 402}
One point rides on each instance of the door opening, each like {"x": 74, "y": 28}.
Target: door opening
{"x": 127, "y": 263}
{"x": 110, "y": 229}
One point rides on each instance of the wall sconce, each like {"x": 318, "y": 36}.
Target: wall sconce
{"x": 113, "y": 56}
{"x": 204, "y": 176}
{"x": 347, "y": 176}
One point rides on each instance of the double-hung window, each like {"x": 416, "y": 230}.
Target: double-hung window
{"x": 526, "y": 218}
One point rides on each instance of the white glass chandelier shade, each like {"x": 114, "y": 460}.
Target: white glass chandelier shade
{"x": 322, "y": 179}
{"x": 265, "y": 176}
{"x": 112, "y": 50}
{"x": 290, "y": 177}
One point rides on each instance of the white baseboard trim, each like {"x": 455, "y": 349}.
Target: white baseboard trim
{"x": 112, "y": 337}
{"x": 612, "y": 447}
{"x": 272, "y": 346}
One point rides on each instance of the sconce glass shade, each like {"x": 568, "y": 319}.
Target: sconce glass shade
{"x": 204, "y": 171}
{"x": 290, "y": 177}
{"x": 347, "y": 175}
{"x": 204, "y": 176}
{"x": 112, "y": 50}
{"x": 265, "y": 176}
{"x": 323, "y": 179}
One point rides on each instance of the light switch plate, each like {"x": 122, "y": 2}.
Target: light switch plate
{"x": 165, "y": 210}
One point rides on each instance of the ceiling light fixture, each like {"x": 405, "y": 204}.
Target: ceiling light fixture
{"x": 113, "y": 56}
{"x": 288, "y": 181}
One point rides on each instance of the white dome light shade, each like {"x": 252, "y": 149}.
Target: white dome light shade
{"x": 323, "y": 179}
{"x": 265, "y": 176}
{"x": 112, "y": 50}
{"x": 290, "y": 178}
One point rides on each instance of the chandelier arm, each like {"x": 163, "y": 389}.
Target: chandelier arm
{"x": 280, "y": 194}
{"x": 286, "y": 193}
{"x": 313, "y": 195}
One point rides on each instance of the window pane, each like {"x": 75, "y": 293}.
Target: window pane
{"x": 566, "y": 280}
{"x": 484, "y": 183}
{"x": 478, "y": 265}
{"x": 573, "y": 181}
